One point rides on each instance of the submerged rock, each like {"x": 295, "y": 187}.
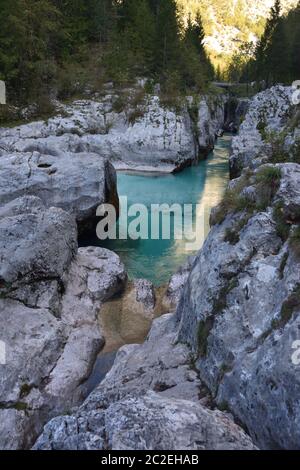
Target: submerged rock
{"x": 127, "y": 318}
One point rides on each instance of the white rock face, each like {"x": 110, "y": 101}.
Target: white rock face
{"x": 176, "y": 285}
{"x": 211, "y": 116}
{"x": 149, "y": 400}
{"x": 239, "y": 312}
{"x": 75, "y": 182}
{"x": 158, "y": 140}
{"x": 50, "y": 296}
{"x": 268, "y": 112}
{"x": 235, "y": 314}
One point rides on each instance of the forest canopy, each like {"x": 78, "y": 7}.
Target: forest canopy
{"x": 60, "y": 48}
{"x": 57, "y": 45}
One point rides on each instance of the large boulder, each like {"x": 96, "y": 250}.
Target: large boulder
{"x": 75, "y": 182}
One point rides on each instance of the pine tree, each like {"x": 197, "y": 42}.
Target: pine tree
{"x": 262, "y": 53}
{"x": 167, "y": 39}
{"x": 101, "y": 17}
{"x": 295, "y": 46}
{"x": 196, "y": 62}
{"x": 278, "y": 59}
{"x": 27, "y": 57}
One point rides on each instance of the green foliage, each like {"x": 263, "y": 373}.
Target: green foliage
{"x": 261, "y": 127}
{"x": 65, "y": 46}
{"x": 268, "y": 181}
{"x": 232, "y": 236}
{"x": 234, "y": 202}
{"x": 269, "y": 176}
{"x": 276, "y": 58}
{"x": 204, "y": 328}
{"x": 30, "y": 32}
{"x": 282, "y": 227}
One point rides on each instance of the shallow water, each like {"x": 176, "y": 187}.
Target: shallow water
{"x": 203, "y": 184}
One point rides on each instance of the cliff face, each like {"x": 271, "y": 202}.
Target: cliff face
{"x": 231, "y": 343}
{"x": 240, "y": 308}
{"x": 269, "y": 113}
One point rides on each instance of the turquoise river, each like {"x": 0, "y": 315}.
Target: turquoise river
{"x": 202, "y": 185}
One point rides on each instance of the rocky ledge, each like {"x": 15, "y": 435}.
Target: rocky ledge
{"x": 227, "y": 355}
{"x": 269, "y": 114}
{"x": 144, "y": 135}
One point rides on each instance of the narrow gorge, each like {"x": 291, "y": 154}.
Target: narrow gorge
{"x": 218, "y": 358}
{"x": 149, "y": 226}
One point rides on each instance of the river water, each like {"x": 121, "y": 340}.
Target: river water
{"x": 202, "y": 185}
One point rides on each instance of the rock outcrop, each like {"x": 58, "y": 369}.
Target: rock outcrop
{"x": 239, "y": 312}
{"x": 145, "y": 137}
{"x": 149, "y": 400}
{"x": 235, "y": 112}
{"x": 268, "y": 115}
{"x": 75, "y": 182}
{"x": 50, "y": 296}
{"x": 176, "y": 284}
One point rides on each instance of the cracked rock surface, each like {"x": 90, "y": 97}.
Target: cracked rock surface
{"x": 75, "y": 182}
{"x": 50, "y": 295}
{"x": 149, "y": 400}
{"x": 159, "y": 139}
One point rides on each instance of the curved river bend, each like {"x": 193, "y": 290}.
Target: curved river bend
{"x": 203, "y": 184}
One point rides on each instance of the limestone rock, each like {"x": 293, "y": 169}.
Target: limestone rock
{"x": 77, "y": 183}
{"x": 268, "y": 111}
{"x": 124, "y": 412}
{"x": 240, "y": 315}
{"x": 49, "y": 301}
{"x": 176, "y": 285}
{"x": 157, "y": 139}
